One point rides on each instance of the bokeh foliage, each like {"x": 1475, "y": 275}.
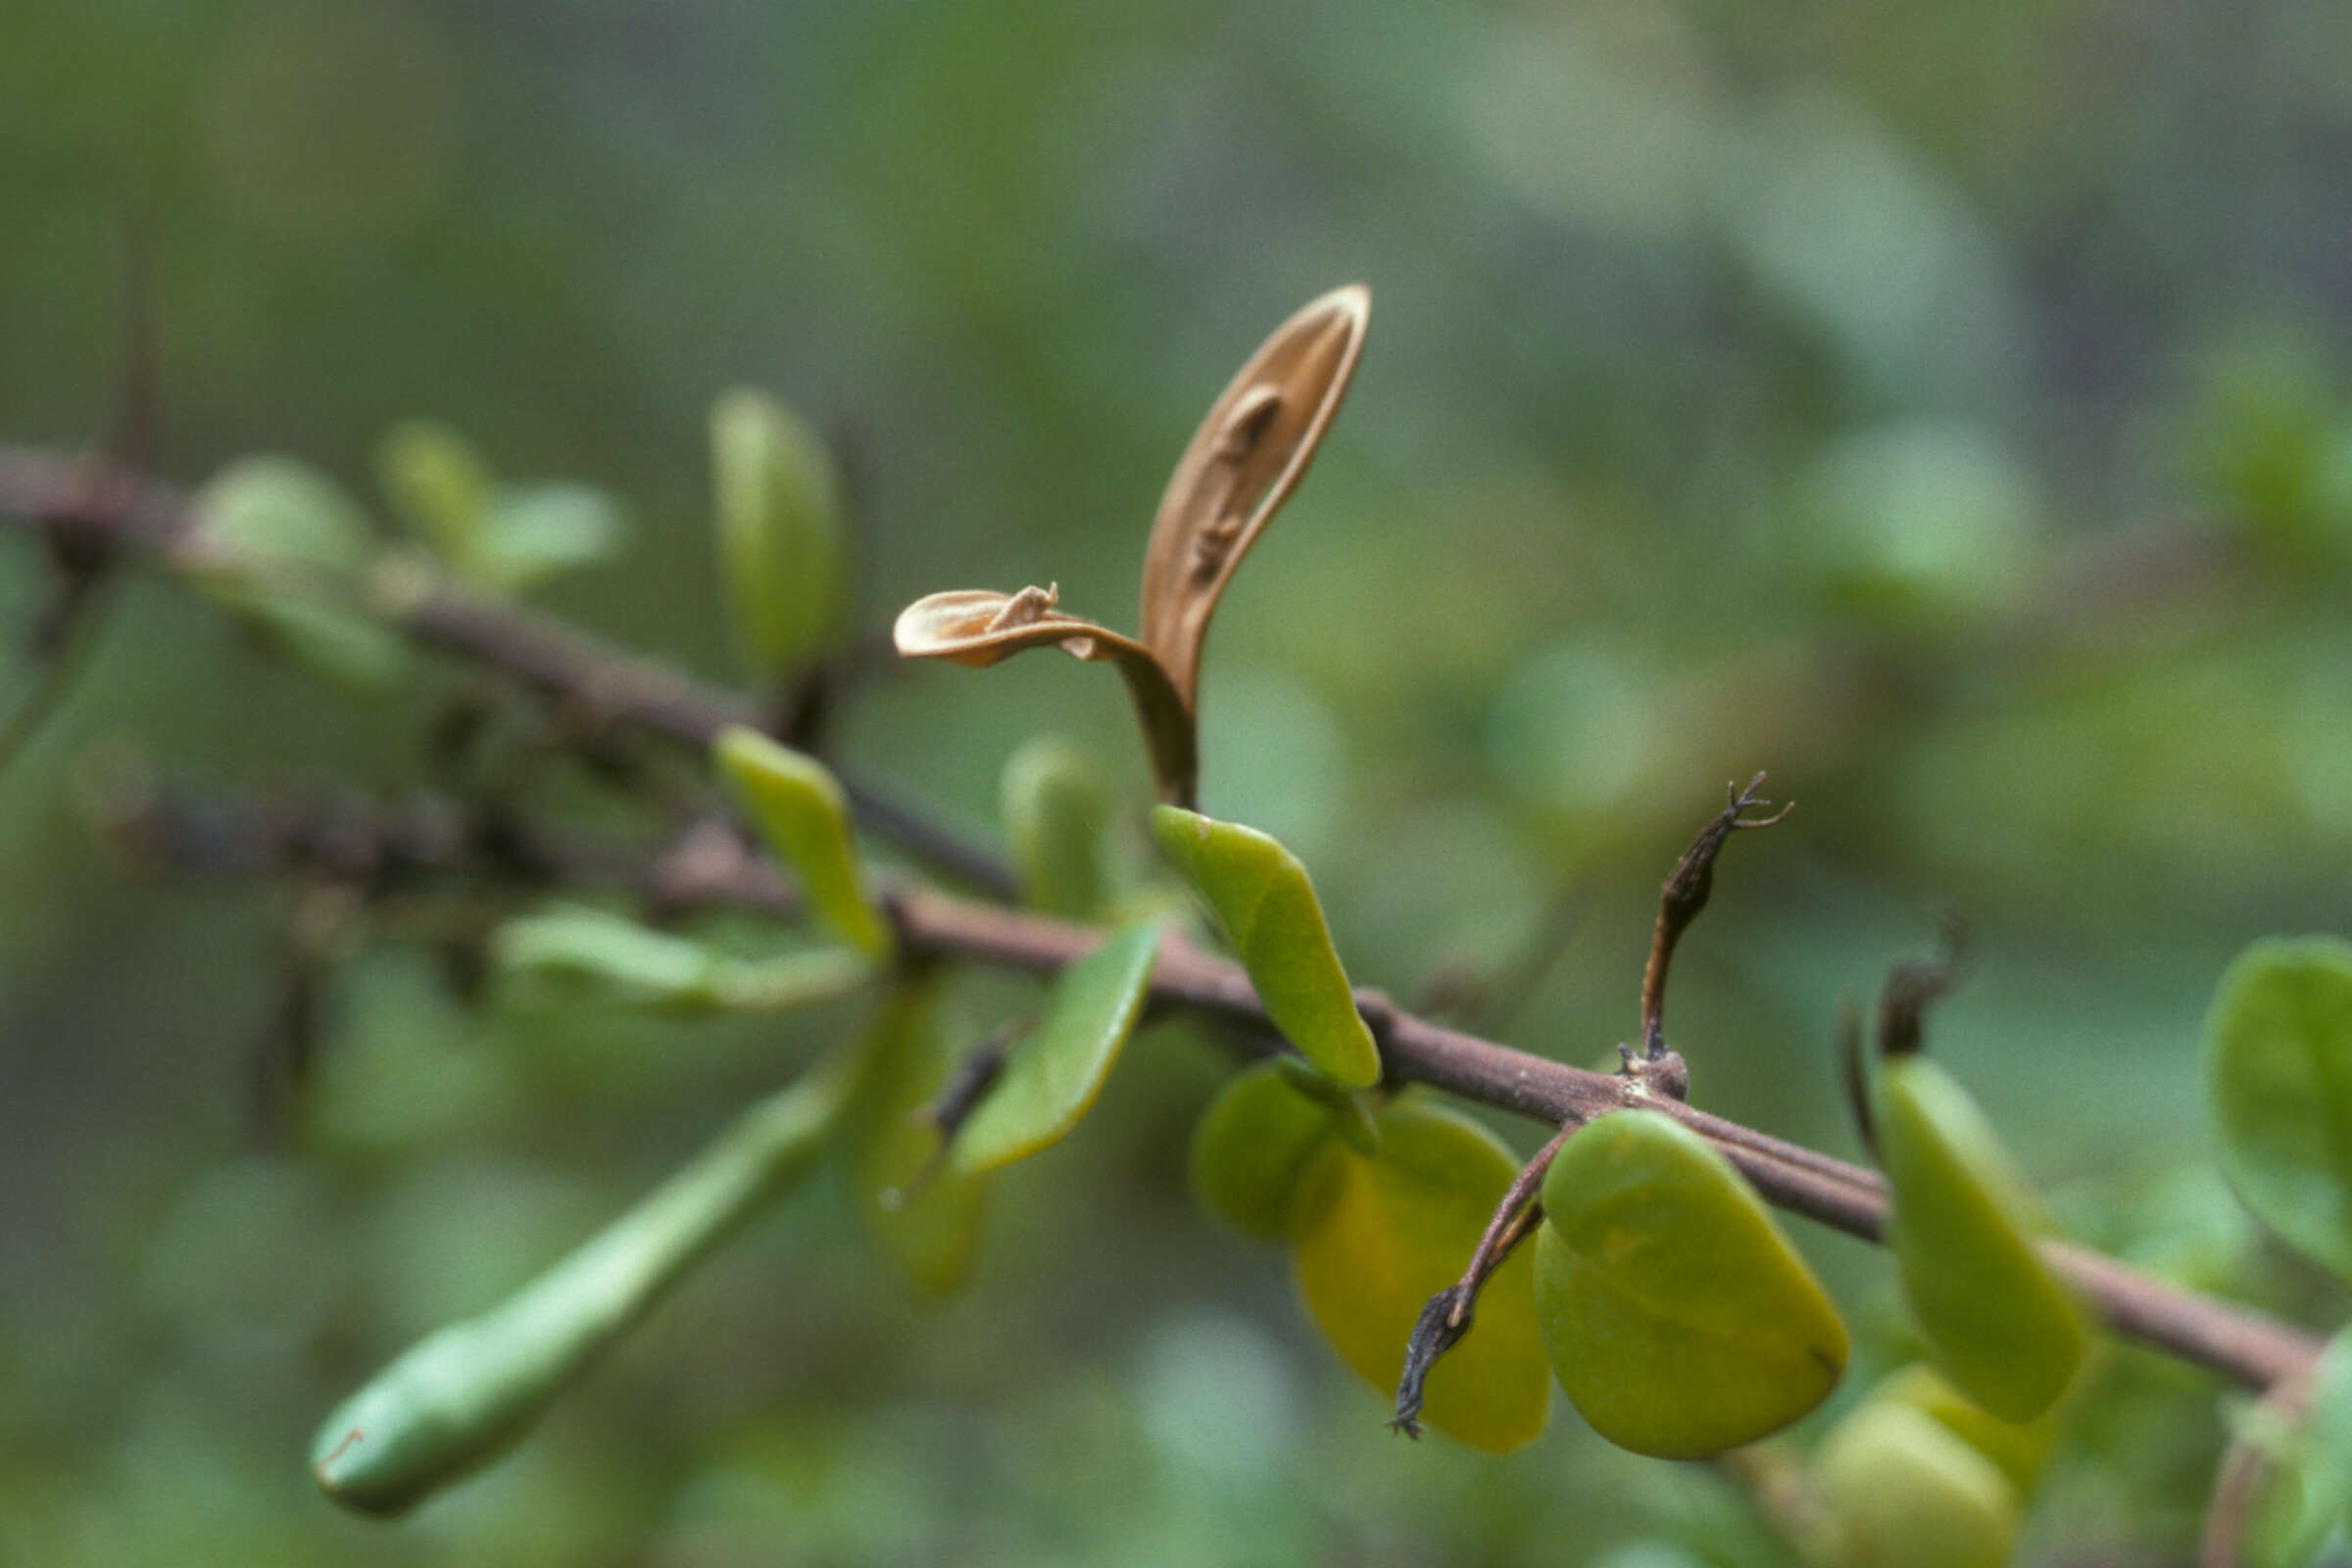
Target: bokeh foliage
{"x": 1946, "y": 408}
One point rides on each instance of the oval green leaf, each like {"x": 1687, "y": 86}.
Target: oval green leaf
{"x": 1261, "y": 894}
{"x": 536, "y": 531}
{"x": 2278, "y": 1076}
{"x": 1678, "y": 1316}
{"x": 438, "y": 484}
{"x": 797, "y": 807}
{"x": 1961, "y": 1224}
{"x": 1900, "y": 1491}
{"x": 291, "y": 547}
{"x": 922, "y": 1214}
{"x": 1373, "y": 1239}
{"x": 468, "y": 1391}
{"x": 1251, "y": 1148}
{"x": 1054, "y": 805}
{"x": 2017, "y": 1448}
{"x": 1053, "y": 1076}
{"x": 778, "y": 516}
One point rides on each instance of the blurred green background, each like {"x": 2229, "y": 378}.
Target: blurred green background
{"x": 1942, "y": 408}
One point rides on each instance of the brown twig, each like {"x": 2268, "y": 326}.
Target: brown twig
{"x": 1683, "y": 896}
{"x": 2237, "y": 1341}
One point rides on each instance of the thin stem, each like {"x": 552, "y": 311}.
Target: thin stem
{"x": 1683, "y": 896}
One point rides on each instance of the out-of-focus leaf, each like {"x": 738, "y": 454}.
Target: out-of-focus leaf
{"x": 1352, "y": 1116}
{"x": 1251, "y": 1148}
{"x": 797, "y": 807}
{"x": 463, "y": 1393}
{"x": 646, "y": 967}
{"x": 780, "y": 531}
{"x": 928, "y": 1234}
{"x": 1679, "y": 1319}
{"x": 1373, "y": 1239}
{"x": 2279, "y": 1078}
{"x": 1961, "y": 1225}
{"x": 536, "y": 531}
{"x": 1261, "y": 894}
{"x": 1054, "y": 805}
{"x": 2018, "y": 1450}
{"x": 438, "y": 484}
{"x": 1900, "y": 1491}
{"x": 1054, "y": 1075}
{"x": 293, "y": 546}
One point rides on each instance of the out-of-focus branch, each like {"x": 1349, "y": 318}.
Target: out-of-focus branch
{"x": 602, "y": 682}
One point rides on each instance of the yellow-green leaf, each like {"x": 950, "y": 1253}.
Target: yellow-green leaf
{"x": 2278, "y": 1076}
{"x": 1056, "y": 804}
{"x": 2017, "y": 1448}
{"x": 1900, "y": 1491}
{"x": 797, "y": 807}
{"x": 438, "y": 484}
{"x": 535, "y": 531}
{"x": 1679, "y": 1319}
{"x": 778, "y": 516}
{"x": 1251, "y": 1148}
{"x": 1961, "y": 1225}
{"x": 468, "y": 1391}
{"x": 639, "y": 966}
{"x": 1373, "y": 1239}
{"x": 927, "y": 1232}
{"x": 1053, "y": 1076}
{"x": 1261, "y": 894}
{"x": 276, "y": 512}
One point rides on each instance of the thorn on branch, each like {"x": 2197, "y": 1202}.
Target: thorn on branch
{"x": 1684, "y": 895}
{"x": 958, "y": 1099}
{"x": 1447, "y": 1315}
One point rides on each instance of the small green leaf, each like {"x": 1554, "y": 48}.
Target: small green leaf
{"x": 292, "y": 547}
{"x": 466, "y": 1392}
{"x": 1679, "y": 1319}
{"x": 1261, "y": 894}
{"x": 1054, "y": 805}
{"x": 1961, "y": 1225}
{"x": 1373, "y": 1239}
{"x": 922, "y": 1215}
{"x": 2279, "y": 1075}
{"x": 797, "y": 807}
{"x": 1353, "y": 1112}
{"x": 780, "y": 528}
{"x": 1251, "y": 1148}
{"x": 2017, "y": 1448}
{"x": 2306, "y": 1490}
{"x": 438, "y": 484}
{"x": 276, "y": 512}
{"x": 1054, "y": 1075}
{"x": 1900, "y": 1491}
{"x": 536, "y": 531}
{"x": 641, "y": 966}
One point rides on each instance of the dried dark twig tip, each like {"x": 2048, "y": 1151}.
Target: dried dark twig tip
{"x": 1446, "y": 1316}
{"x": 1686, "y": 893}
{"x": 1913, "y": 985}
{"x": 962, "y": 1095}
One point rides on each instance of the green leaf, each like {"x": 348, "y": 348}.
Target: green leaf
{"x": 2307, "y": 1491}
{"x": 644, "y": 967}
{"x": 1251, "y": 1149}
{"x": 2017, "y": 1448}
{"x": 292, "y": 546}
{"x": 1261, "y": 894}
{"x": 780, "y": 531}
{"x": 922, "y": 1215}
{"x": 438, "y": 484}
{"x": 797, "y": 807}
{"x": 536, "y": 531}
{"x": 1054, "y": 805}
{"x": 1679, "y": 1319}
{"x": 1961, "y": 1224}
{"x": 463, "y": 1393}
{"x": 1373, "y": 1239}
{"x": 1900, "y": 1491}
{"x": 1054, "y": 1075}
{"x": 2278, "y": 1076}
